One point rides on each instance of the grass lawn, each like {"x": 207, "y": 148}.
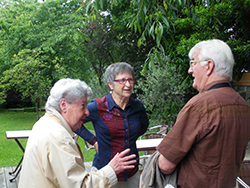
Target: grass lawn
{"x": 10, "y": 153}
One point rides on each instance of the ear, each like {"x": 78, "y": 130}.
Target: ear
{"x": 110, "y": 85}
{"x": 63, "y": 105}
{"x": 210, "y": 67}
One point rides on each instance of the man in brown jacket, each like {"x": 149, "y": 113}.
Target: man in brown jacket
{"x": 209, "y": 139}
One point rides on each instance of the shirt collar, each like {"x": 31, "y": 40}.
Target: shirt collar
{"x": 53, "y": 112}
{"x": 213, "y": 83}
{"x": 112, "y": 104}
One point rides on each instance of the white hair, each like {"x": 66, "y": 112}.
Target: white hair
{"x": 219, "y": 52}
{"x": 72, "y": 90}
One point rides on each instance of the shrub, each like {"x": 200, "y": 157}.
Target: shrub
{"x": 162, "y": 92}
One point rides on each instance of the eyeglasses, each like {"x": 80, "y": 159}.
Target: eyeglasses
{"x": 124, "y": 80}
{"x": 192, "y": 63}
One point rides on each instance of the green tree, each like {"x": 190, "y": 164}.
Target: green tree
{"x": 225, "y": 21}
{"x": 39, "y": 45}
{"x": 29, "y": 78}
{"x": 155, "y": 22}
{"x": 82, "y": 45}
{"x": 52, "y": 26}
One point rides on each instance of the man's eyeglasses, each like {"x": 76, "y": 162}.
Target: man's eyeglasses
{"x": 192, "y": 63}
{"x": 124, "y": 80}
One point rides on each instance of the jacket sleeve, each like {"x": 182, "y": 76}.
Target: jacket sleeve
{"x": 64, "y": 159}
{"x": 86, "y": 135}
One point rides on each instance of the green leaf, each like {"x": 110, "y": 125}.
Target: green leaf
{"x": 151, "y": 62}
{"x": 144, "y": 69}
{"x": 139, "y": 27}
{"x": 161, "y": 29}
{"x": 139, "y": 42}
{"x": 135, "y": 26}
{"x": 142, "y": 18}
{"x": 165, "y": 21}
{"x": 158, "y": 40}
{"x": 152, "y": 28}
{"x": 158, "y": 57}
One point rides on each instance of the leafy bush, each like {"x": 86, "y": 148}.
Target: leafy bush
{"x": 162, "y": 92}
{"x": 99, "y": 90}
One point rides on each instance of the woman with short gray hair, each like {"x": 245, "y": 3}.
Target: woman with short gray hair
{"x": 52, "y": 156}
{"x": 118, "y": 120}
{"x": 115, "y": 69}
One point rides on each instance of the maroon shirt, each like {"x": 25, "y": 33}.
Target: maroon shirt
{"x": 209, "y": 138}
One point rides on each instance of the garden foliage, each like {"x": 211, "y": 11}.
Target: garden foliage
{"x": 162, "y": 92}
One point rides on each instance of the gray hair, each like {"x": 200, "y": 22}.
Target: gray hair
{"x": 219, "y": 52}
{"x": 115, "y": 69}
{"x": 72, "y": 90}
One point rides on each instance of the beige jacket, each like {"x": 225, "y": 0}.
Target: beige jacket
{"x": 52, "y": 159}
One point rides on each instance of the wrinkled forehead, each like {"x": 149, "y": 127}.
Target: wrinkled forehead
{"x": 125, "y": 74}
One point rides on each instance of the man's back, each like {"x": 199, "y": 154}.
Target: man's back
{"x": 211, "y": 134}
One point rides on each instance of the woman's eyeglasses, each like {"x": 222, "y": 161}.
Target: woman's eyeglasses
{"x": 124, "y": 80}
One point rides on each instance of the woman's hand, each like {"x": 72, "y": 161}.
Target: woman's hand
{"x": 120, "y": 162}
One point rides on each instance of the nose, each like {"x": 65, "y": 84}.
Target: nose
{"x": 190, "y": 70}
{"x": 86, "y": 112}
{"x": 127, "y": 83}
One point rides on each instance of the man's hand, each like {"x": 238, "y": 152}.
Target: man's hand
{"x": 120, "y": 162}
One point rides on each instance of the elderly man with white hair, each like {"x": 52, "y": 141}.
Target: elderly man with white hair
{"x": 210, "y": 136}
